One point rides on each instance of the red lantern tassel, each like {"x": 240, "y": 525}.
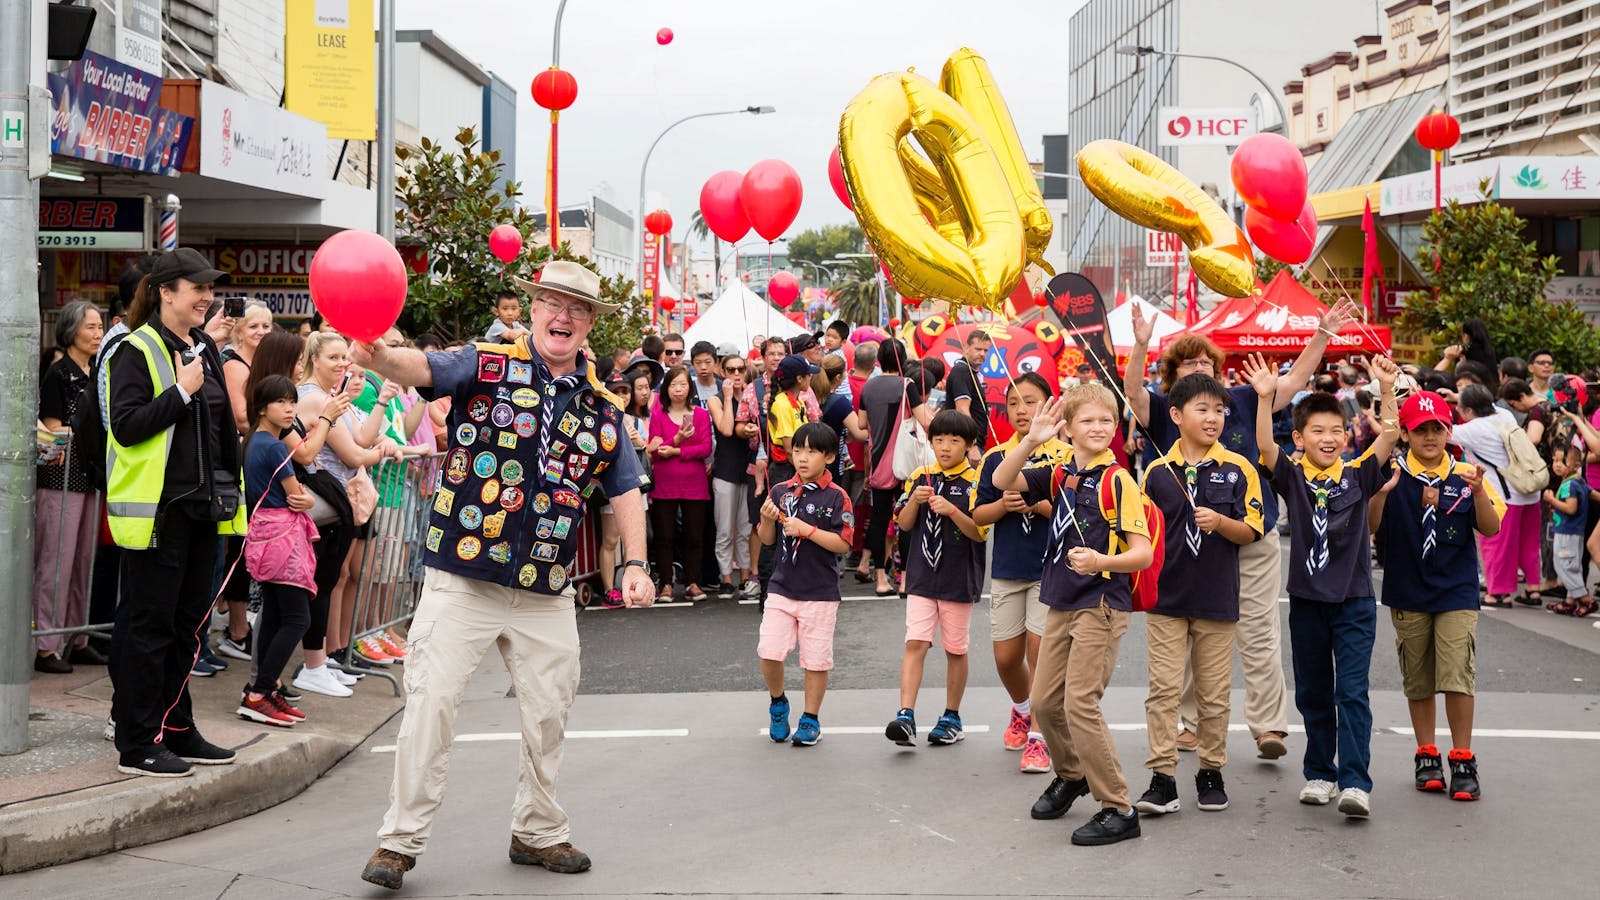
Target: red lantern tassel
{"x": 552, "y": 211}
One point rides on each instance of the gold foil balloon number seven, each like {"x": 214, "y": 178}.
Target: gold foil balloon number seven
{"x": 961, "y": 224}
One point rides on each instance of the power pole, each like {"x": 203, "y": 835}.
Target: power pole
{"x": 19, "y": 372}
{"x": 386, "y": 119}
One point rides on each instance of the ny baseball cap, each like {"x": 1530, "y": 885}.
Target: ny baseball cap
{"x": 1422, "y": 407}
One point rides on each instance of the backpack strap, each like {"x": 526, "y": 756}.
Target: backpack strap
{"x": 1109, "y": 507}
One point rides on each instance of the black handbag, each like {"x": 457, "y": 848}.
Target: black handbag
{"x": 225, "y": 496}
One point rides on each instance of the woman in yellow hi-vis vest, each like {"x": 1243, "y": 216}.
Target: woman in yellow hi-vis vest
{"x": 172, "y": 485}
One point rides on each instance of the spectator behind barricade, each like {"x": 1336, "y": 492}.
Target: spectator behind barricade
{"x": 838, "y": 413}
{"x": 1516, "y": 547}
{"x": 836, "y": 339}
{"x": 65, "y": 513}
{"x": 967, "y": 390}
{"x": 679, "y": 444}
{"x": 807, "y": 346}
{"x": 610, "y": 533}
{"x": 507, "y": 325}
{"x": 672, "y": 351}
{"x": 172, "y": 487}
{"x": 730, "y": 478}
{"x": 1541, "y": 365}
{"x": 866, "y": 360}
{"x": 707, "y": 383}
{"x": 237, "y": 355}
{"x": 651, "y": 348}
{"x": 439, "y": 409}
{"x": 881, "y": 401}
{"x": 1513, "y": 367}
{"x": 351, "y": 443}
{"x": 278, "y": 549}
{"x": 1476, "y": 347}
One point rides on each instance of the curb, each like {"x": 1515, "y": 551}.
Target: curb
{"x": 94, "y": 821}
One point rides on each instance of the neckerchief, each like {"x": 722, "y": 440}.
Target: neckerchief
{"x": 791, "y": 503}
{"x": 552, "y": 387}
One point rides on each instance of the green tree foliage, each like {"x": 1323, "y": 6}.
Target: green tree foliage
{"x": 1268, "y": 268}
{"x": 857, "y": 301}
{"x": 818, "y": 245}
{"x": 448, "y": 202}
{"x": 1487, "y": 270}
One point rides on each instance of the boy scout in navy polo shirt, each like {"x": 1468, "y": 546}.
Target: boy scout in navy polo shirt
{"x": 944, "y": 573}
{"x": 1086, "y": 585}
{"x": 1430, "y": 509}
{"x": 810, "y": 519}
{"x": 1332, "y": 613}
{"x": 1211, "y": 500}
{"x": 1017, "y": 534}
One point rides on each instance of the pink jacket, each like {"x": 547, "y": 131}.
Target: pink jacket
{"x": 681, "y": 477}
{"x": 277, "y": 548}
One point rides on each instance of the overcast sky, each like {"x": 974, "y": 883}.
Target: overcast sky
{"x": 808, "y": 59}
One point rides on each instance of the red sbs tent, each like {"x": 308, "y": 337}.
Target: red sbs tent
{"x": 1279, "y": 322}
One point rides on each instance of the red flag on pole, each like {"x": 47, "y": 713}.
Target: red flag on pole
{"x": 1371, "y": 265}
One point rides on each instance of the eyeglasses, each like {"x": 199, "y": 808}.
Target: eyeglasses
{"x": 1543, "y": 362}
{"x": 578, "y": 312}
{"x": 733, "y": 370}
{"x": 1199, "y": 362}
{"x": 672, "y": 352}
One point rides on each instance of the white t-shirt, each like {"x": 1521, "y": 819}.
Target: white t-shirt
{"x": 1481, "y": 439}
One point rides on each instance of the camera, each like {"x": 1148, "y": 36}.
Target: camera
{"x": 233, "y": 307}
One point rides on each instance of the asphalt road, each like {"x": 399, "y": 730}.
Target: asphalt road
{"x": 674, "y": 790}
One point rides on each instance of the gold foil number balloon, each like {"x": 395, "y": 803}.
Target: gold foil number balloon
{"x": 1143, "y": 189}
{"x": 951, "y": 226}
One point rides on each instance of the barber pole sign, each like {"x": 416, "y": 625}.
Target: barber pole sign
{"x": 167, "y": 234}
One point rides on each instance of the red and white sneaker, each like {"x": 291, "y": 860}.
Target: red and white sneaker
{"x": 262, "y": 709}
{"x": 373, "y": 652}
{"x": 1035, "y": 756}
{"x": 1016, "y": 736}
{"x": 286, "y": 707}
{"x": 393, "y": 647}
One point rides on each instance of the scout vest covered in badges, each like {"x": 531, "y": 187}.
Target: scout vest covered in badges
{"x": 507, "y": 509}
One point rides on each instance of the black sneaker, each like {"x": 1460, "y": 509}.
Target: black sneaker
{"x": 1107, "y": 827}
{"x": 192, "y": 748}
{"x": 1430, "y": 769}
{"x": 1463, "y": 775}
{"x": 51, "y": 664}
{"x": 288, "y": 693}
{"x": 157, "y": 762}
{"x": 1058, "y": 798}
{"x": 1161, "y": 798}
{"x": 902, "y": 729}
{"x": 1208, "y": 791}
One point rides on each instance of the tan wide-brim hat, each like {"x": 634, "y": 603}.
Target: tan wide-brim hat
{"x": 570, "y": 279}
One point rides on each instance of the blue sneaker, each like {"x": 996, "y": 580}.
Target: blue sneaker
{"x": 779, "y": 729}
{"x": 210, "y": 656}
{"x": 947, "y": 731}
{"x": 202, "y": 669}
{"x": 903, "y": 729}
{"x": 808, "y": 732}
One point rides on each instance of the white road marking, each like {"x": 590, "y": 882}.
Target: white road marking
{"x": 495, "y": 736}
{"x": 876, "y": 729}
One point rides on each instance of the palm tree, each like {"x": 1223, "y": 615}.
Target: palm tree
{"x": 857, "y": 300}
{"x": 699, "y": 228}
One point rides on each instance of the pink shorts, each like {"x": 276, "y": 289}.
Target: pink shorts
{"x": 954, "y": 621}
{"x": 809, "y": 623}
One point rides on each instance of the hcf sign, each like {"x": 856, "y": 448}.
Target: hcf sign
{"x": 1181, "y": 125}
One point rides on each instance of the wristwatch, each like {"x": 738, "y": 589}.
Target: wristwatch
{"x": 637, "y": 562}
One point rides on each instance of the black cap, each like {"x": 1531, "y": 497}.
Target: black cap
{"x": 802, "y": 342}
{"x": 795, "y": 367}
{"x": 184, "y": 262}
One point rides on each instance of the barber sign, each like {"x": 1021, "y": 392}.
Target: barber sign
{"x": 1180, "y": 126}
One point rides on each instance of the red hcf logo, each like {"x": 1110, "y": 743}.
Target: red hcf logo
{"x": 1180, "y": 126}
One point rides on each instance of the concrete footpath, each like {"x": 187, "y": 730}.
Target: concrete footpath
{"x": 64, "y": 800}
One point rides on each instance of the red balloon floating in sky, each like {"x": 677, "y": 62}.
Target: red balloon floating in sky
{"x": 505, "y": 242}
{"x": 664, "y": 36}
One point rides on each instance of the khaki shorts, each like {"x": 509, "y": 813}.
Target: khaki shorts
{"x": 1438, "y": 651}
{"x": 1014, "y": 605}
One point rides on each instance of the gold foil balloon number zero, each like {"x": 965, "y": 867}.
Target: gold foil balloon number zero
{"x": 1143, "y": 189}
{"x": 961, "y": 224}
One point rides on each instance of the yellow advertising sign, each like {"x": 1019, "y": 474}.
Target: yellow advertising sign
{"x": 329, "y": 65}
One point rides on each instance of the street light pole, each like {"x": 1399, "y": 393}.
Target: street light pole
{"x": 386, "y": 119}
{"x": 1283, "y": 117}
{"x": 638, "y": 218}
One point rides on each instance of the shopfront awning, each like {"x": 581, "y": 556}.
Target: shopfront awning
{"x": 1347, "y": 173}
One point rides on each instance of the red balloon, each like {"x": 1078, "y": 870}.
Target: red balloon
{"x": 836, "y": 178}
{"x": 1285, "y": 241}
{"x": 894, "y": 323}
{"x": 505, "y": 242}
{"x": 771, "y": 196}
{"x": 667, "y": 303}
{"x": 664, "y": 36}
{"x": 658, "y": 222}
{"x": 1270, "y": 174}
{"x": 722, "y": 208}
{"x": 783, "y": 288}
{"x": 1438, "y": 131}
{"x": 1040, "y": 298}
{"x": 555, "y": 89}
{"x": 358, "y": 284}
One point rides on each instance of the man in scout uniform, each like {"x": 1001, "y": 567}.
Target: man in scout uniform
{"x": 532, "y": 434}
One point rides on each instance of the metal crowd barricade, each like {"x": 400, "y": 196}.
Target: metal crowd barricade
{"x": 60, "y": 579}
{"x": 391, "y": 567}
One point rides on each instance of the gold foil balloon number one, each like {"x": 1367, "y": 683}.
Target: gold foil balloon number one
{"x": 961, "y": 224}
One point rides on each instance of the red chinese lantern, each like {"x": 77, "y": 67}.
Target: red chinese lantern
{"x": 658, "y": 222}
{"x": 555, "y": 89}
{"x": 1438, "y": 131}
{"x": 1040, "y": 298}
{"x": 667, "y": 303}
{"x": 664, "y": 36}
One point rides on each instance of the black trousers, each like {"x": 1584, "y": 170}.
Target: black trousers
{"x": 333, "y": 545}
{"x": 878, "y": 527}
{"x": 285, "y": 615}
{"x": 166, "y": 604}
{"x": 103, "y": 591}
{"x": 664, "y": 520}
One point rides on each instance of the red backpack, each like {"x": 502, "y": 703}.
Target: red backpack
{"x": 1145, "y": 581}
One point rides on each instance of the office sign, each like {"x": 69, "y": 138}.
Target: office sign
{"x": 1180, "y": 126}
{"x": 93, "y": 223}
{"x": 252, "y": 142}
{"x": 139, "y": 35}
{"x": 107, "y": 112}
{"x": 328, "y": 54}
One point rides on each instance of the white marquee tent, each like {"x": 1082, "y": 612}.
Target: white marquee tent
{"x": 737, "y": 317}
{"x": 1119, "y": 322}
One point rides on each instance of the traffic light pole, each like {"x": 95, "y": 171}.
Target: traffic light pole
{"x": 19, "y": 372}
